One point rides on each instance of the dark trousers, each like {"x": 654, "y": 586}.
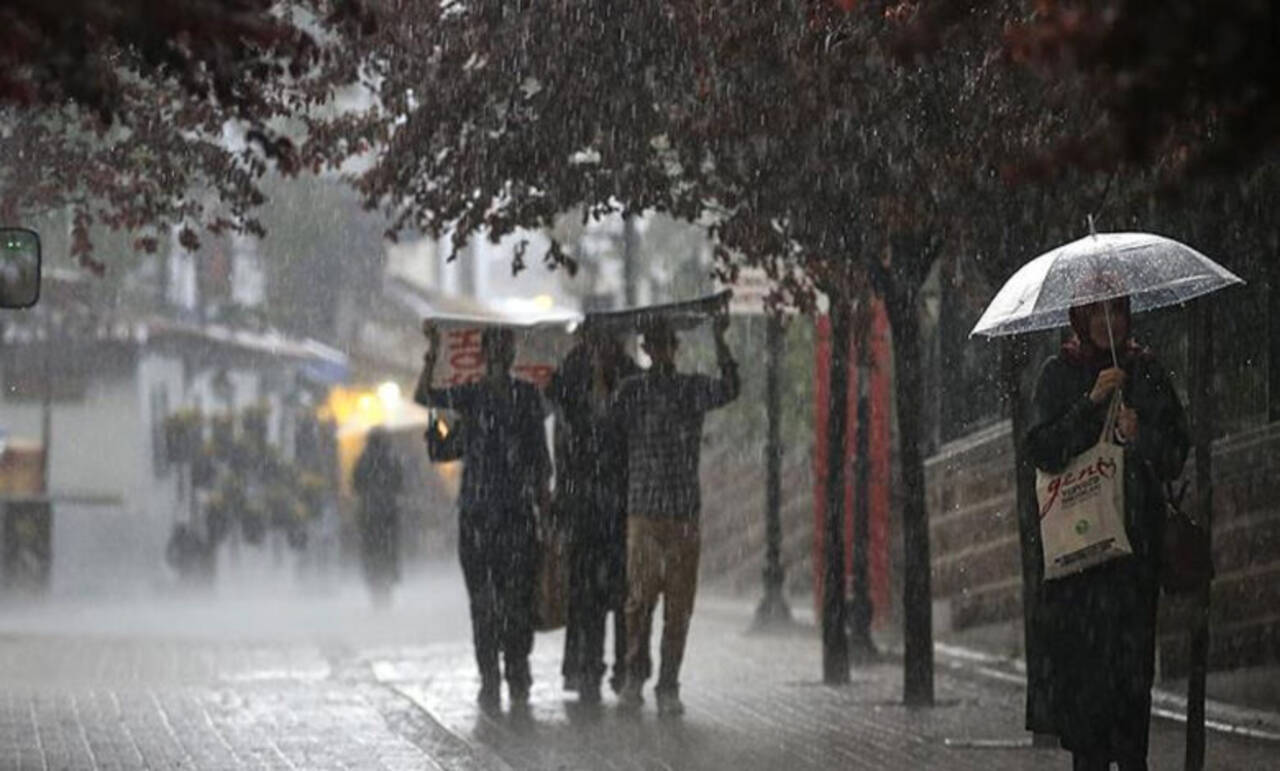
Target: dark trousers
{"x": 597, "y": 585}
{"x": 498, "y": 552}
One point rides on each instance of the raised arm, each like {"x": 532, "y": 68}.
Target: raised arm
{"x": 717, "y": 392}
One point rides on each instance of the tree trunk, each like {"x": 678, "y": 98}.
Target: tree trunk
{"x": 917, "y": 598}
{"x": 835, "y": 640}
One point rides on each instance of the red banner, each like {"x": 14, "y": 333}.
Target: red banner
{"x": 879, "y": 453}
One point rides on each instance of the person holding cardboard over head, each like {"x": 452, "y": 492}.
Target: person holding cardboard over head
{"x": 505, "y": 482}
{"x": 661, "y": 412}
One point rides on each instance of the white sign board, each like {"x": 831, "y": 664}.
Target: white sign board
{"x": 539, "y": 350}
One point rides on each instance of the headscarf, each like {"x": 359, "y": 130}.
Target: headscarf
{"x": 1080, "y": 350}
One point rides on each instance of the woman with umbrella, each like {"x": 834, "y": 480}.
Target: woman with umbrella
{"x": 1097, "y": 626}
{"x": 1101, "y": 623}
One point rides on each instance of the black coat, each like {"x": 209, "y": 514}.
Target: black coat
{"x": 1099, "y": 626}
{"x": 592, "y": 456}
{"x": 378, "y": 480}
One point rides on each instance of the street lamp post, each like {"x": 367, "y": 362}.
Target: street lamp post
{"x": 773, "y": 611}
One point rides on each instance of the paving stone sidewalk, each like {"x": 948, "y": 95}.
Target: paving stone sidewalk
{"x": 755, "y": 703}
{"x": 86, "y": 701}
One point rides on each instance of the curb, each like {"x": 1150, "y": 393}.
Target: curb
{"x": 1220, "y": 717}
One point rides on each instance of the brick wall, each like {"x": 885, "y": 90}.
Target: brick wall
{"x": 977, "y": 573}
{"x": 1245, "y": 605}
{"x": 973, "y": 528}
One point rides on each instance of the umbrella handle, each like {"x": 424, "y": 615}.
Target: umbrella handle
{"x": 1106, "y": 310}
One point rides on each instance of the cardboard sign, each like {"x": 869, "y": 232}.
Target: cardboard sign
{"x": 539, "y": 349}
{"x": 543, "y": 341}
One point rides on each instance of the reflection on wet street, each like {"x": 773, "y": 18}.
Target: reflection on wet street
{"x": 322, "y": 681}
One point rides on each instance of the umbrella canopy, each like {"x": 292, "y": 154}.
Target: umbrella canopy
{"x": 1153, "y": 271}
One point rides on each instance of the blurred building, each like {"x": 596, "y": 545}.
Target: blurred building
{"x": 91, "y": 387}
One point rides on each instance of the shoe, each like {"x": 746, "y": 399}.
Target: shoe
{"x": 519, "y": 693}
{"x": 669, "y": 705}
{"x": 489, "y": 698}
{"x": 630, "y": 699}
{"x": 589, "y": 694}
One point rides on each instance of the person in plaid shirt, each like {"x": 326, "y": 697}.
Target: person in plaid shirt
{"x": 661, "y": 413}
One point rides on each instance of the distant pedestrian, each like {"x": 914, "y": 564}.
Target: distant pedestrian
{"x": 662, "y": 412}
{"x": 591, "y": 490}
{"x": 378, "y": 480}
{"x": 505, "y": 480}
{"x": 1099, "y": 625}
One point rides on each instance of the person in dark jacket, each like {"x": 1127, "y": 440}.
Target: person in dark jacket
{"x": 591, "y": 486}
{"x": 377, "y": 480}
{"x": 1100, "y": 624}
{"x": 505, "y": 479}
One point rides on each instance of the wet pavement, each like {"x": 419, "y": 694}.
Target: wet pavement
{"x": 325, "y": 683}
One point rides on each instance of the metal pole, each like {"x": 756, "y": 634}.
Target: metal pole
{"x": 835, "y": 640}
{"x": 46, "y": 404}
{"x": 630, "y": 278}
{"x": 1273, "y": 332}
{"x": 773, "y": 610}
{"x": 1202, "y": 422}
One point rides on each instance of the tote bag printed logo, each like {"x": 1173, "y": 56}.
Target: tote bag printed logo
{"x": 1082, "y": 508}
{"x": 1081, "y": 483}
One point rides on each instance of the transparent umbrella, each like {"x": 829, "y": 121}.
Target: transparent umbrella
{"x": 1153, "y": 271}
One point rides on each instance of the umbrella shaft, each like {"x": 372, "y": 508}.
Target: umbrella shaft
{"x": 1111, "y": 338}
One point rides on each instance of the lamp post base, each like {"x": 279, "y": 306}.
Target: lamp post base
{"x": 773, "y": 613}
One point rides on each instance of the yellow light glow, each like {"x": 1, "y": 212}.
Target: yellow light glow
{"x": 544, "y": 302}
{"x": 369, "y": 409}
{"x": 352, "y": 408}
{"x": 389, "y": 393}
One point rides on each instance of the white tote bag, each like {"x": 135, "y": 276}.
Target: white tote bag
{"x": 1082, "y": 507}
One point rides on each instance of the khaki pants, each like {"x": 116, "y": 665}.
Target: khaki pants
{"x": 662, "y": 559}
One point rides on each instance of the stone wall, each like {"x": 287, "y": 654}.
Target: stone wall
{"x": 1244, "y": 611}
{"x": 973, "y": 528}
{"x": 977, "y": 573}
{"x": 733, "y": 529}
